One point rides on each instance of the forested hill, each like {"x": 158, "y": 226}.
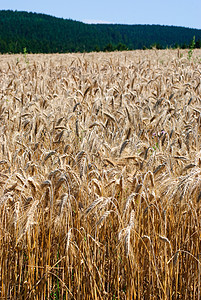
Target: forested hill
{"x": 40, "y": 33}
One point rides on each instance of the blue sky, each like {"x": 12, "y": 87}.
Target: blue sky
{"x": 172, "y": 12}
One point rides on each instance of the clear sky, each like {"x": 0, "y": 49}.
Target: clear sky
{"x": 164, "y": 12}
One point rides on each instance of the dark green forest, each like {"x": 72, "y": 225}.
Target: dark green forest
{"x": 40, "y": 33}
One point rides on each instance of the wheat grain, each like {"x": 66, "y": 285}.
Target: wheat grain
{"x": 100, "y": 175}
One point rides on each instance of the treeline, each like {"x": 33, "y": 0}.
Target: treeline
{"x": 40, "y": 33}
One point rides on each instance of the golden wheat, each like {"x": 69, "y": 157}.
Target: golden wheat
{"x": 100, "y": 176}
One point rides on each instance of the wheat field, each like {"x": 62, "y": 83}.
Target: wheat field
{"x": 100, "y": 175}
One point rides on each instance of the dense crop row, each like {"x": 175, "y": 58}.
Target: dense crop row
{"x": 100, "y": 176}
